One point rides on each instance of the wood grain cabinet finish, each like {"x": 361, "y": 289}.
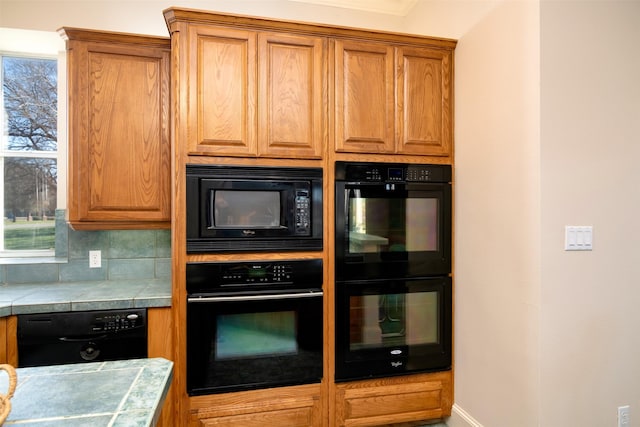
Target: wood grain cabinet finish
{"x": 394, "y": 400}
{"x": 393, "y": 99}
{"x": 255, "y": 93}
{"x": 364, "y": 109}
{"x": 119, "y": 135}
{"x": 4, "y": 340}
{"x": 295, "y": 406}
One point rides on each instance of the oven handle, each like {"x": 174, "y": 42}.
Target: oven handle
{"x": 256, "y": 297}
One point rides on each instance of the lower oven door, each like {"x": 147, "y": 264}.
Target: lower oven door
{"x": 244, "y": 342}
{"x": 392, "y": 327}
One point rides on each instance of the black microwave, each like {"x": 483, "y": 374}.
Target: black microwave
{"x": 253, "y": 208}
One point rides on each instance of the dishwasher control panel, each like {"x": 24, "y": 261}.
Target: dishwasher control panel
{"x": 120, "y": 321}
{"x": 74, "y": 324}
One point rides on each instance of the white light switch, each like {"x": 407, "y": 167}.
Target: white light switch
{"x": 578, "y": 238}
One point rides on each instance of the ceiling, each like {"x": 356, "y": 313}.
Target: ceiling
{"x": 390, "y": 7}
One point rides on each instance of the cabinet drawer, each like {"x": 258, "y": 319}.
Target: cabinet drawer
{"x": 297, "y": 417}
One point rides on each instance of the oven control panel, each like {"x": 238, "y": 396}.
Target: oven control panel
{"x": 392, "y": 172}
{"x": 254, "y": 272}
{"x": 216, "y": 276}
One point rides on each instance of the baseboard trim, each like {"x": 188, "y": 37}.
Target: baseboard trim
{"x": 461, "y": 418}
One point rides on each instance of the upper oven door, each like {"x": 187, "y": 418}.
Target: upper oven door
{"x": 392, "y": 230}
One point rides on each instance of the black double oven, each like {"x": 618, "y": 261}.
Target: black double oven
{"x": 393, "y": 290}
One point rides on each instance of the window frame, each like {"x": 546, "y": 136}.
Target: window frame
{"x": 37, "y": 45}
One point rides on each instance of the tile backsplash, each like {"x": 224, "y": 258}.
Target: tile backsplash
{"x": 126, "y": 255}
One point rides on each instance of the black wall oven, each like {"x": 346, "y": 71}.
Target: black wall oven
{"x": 392, "y": 220}
{"x": 393, "y": 291}
{"x": 392, "y": 327}
{"x": 253, "y": 325}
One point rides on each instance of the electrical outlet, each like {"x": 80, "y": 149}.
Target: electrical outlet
{"x": 623, "y": 416}
{"x": 95, "y": 259}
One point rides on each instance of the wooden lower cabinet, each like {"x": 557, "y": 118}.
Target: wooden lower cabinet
{"x": 8, "y": 340}
{"x": 380, "y": 402}
{"x": 160, "y": 344}
{"x": 393, "y": 400}
{"x": 3, "y": 340}
{"x": 297, "y": 406}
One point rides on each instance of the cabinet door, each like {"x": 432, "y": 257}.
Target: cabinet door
{"x": 222, "y": 91}
{"x": 290, "y": 95}
{"x": 364, "y": 107}
{"x": 424, "y": 94}
{"x": 119, "y": 153}
{"x": 394, "y": 400}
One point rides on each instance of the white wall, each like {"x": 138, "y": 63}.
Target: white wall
{"x": 590, "y": 146}
{"x": 497, "y": 205}
{"x": 145, "y": 16}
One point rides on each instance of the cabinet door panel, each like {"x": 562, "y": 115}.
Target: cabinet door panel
{"x": 119, "y": 148}
{"x": 222, "y": 96}
{"x": 424, "y": 101}
{"x": 392, "y": 400}
{"x": 291, "y": 83}
{"x": 364, "y": 97}
{"x": 122, "y": 87}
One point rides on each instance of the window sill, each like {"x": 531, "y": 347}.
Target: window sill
{"x": 33, "y": 260}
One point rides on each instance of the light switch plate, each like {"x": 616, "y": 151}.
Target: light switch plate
{"x": 578, "y": 238}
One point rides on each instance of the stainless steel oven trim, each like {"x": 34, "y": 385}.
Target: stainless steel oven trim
{"x": 255, "y": 297}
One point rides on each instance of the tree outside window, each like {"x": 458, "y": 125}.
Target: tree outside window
{"x": 28, "y": 156}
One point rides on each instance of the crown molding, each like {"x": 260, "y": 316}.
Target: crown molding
{"x": 390, "y": 7}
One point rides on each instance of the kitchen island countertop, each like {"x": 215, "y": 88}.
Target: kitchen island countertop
{"x": 120, "y": 393}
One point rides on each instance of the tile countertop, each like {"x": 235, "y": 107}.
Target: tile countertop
{"x": 103, "y": 295}
{"x": 128, "y": 393}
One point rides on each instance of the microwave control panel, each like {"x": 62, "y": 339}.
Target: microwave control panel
{"x": 392, "y": 172}
{"x": 303, "y": 213}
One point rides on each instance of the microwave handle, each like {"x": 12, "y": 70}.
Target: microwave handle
{"x": 256, "y": 297}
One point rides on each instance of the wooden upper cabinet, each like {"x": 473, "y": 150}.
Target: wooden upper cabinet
{"x": 392, "y": 99}
{"x": 424, "y": 101}
{"x": 119, "y": 135}
{"x": 291, "y": 95}
{"x": 222, "y": 91}
{"x": 255, "y": 93}
{"x": 364, "y": 97}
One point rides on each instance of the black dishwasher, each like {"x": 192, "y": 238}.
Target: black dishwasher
{"x": 81, "y": 336}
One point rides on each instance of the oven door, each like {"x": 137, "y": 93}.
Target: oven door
{"x": 392, "y": 327}
{"x": 392, "y": 230}
{"x": 242, "y": 342}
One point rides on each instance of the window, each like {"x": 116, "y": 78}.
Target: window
{"x": 28, "y": 153}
